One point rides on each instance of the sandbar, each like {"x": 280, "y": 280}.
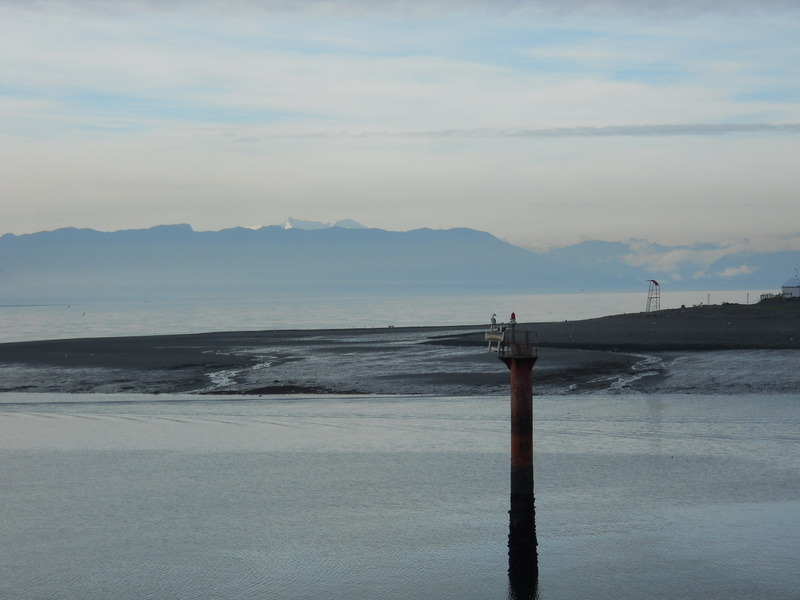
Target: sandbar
{"x": 573, "y": 355}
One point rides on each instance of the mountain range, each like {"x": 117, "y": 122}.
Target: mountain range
{"x": 348, "y": 259}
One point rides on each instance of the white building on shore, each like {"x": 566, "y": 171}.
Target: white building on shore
{"x": 791, "y": 289}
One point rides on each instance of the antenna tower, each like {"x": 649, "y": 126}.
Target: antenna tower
{"x": 653, "y": 296}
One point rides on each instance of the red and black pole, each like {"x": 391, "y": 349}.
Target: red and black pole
{"x": 519, "y": 355}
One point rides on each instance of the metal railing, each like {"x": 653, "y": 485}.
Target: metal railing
{"x": 520, "y": 344}
{"x": 510, "y": 343}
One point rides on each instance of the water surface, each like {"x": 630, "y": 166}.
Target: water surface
{"x": 98, "y": 319}
{"x": 638, "y": 496}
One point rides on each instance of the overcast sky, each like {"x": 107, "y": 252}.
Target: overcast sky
{"x": 544, "y": 123}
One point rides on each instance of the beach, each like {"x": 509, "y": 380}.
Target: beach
{"x": 632, "y": 351}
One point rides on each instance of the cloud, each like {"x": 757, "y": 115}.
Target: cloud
{"x": 735, "y": 271}
{"x": 659, "y": 260}
{"x": 665, "y": 130}
{"x": 423, "y": 7}
{"x": 388, "y": 76}
{"x": 655, "y": 260}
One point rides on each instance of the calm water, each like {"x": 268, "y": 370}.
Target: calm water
{"x": 644, "y": 497}
{"x": 18, "y": 323}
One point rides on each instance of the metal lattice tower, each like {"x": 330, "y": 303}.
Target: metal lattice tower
{"x": 653, "y": 296}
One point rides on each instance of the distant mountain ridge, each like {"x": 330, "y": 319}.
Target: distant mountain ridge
{"x": 318, "y": 259}
{"x": 175, "y": 262}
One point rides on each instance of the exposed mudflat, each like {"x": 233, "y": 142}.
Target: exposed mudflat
{"x": 631, "y": 351}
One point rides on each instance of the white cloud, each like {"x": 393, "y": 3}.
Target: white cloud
{"x": 671, "y": 261}
{"x": 361, "y": 74}
{"x": 667, "y": 130}
{"x": 435, "y": 7}
{"x": 735, "y": 271}
{"x": 655, "y": 260}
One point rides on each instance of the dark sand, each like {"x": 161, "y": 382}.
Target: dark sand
{"x": 573, "y": 355}
{"x": 771, "y": 324}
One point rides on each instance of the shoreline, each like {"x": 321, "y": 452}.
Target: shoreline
{"x": 574, "y": 356}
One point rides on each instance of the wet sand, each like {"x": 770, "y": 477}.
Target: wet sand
{"x": 573, "y": 355}
{"x": 767, "y": 325}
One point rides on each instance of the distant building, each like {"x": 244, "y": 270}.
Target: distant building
{"x": 791, "y": 289}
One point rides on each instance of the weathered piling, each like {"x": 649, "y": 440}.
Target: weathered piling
{"x": 518, "y": 352}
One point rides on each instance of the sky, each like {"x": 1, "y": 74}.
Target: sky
{"x": 543, "y": 122}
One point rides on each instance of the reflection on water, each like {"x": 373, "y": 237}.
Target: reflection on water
{"x": 523, "y": 560}
{"x": 109, "y": 497}
{"x": 524, "y": 586}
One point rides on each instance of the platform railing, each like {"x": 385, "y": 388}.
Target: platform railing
{"x": 510, "y": 343}
{"x": 519, "y": 344}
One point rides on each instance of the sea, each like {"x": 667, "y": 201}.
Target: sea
{"x": 691, "y": 495}
{"x": 101, "y": 319}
